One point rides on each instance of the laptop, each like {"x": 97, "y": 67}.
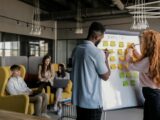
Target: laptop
{"x": 60, "y": 83}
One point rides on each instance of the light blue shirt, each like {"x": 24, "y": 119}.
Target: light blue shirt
{"x": 17, "y": 86}
{"x": 88, "y": 63}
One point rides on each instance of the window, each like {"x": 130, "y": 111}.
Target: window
{"x": 43, "y": 48}
{"x": 39, "y": 48}
{"x": 9, "y": 45}
{"x": 21, "y": 45}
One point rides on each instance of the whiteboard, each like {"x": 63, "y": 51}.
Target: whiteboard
{"x": 122, "y": 89}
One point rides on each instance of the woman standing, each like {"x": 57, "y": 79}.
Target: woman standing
{"x": 148, "y": 65}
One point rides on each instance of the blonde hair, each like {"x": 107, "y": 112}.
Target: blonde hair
{"x": 150, "y": 47}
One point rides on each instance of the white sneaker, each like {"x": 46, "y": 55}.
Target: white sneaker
{"x": 59, "y": 112}
{"x": 45, "y": 115}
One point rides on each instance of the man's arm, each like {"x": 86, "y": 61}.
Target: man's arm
{"x": 102, "y": 65}
{"x": 26, "y": 90}
{"x": 105, "y": 76}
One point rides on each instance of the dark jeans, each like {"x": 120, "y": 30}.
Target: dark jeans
{"x": 152, "y": 103}
{"x": 88, "y": 114}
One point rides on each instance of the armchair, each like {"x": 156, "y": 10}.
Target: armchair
{"x": 18, "y": 103}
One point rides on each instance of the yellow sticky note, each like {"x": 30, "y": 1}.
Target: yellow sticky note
{"x": 120, "y": 66}
{"x": 111, "y": 51}
{"x": 113, "y": 66}
{"x": 121, "y": 58}
{"x": 135, "y": 74}
{"x": 121, "y": 44}
{"x": 128, "y": 74}
{"x": 126, "y": 66}
{"x": 120, "y": 52}
{"x": 112, "y": 43}
{"x": 105, "y": 43}
{"x": 112, "y": 58}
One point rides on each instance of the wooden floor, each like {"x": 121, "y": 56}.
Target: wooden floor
{"x": 122, "y": 114}
{"x": 6, "y": 115}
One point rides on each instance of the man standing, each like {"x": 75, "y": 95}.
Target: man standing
{"x": 89, "y": 66}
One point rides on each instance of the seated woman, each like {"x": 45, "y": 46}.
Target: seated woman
{"x": 46, "y": 73}
{"x": 60, "y": 74}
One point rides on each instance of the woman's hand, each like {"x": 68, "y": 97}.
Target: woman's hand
{"x": 51, "y": 82}
{"x": 136, "y": 54}
{"x": 129, "y": 55}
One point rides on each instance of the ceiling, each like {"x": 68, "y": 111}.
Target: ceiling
{"x": 90, "y": 9}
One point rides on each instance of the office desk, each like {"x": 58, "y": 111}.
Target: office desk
{"x": 7, "y": 115}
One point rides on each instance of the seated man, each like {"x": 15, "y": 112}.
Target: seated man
{"x": 17, "y": 86}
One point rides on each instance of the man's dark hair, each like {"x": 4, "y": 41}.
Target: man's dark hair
{"x": 94, "y": 28}
{"x": 15, "y": 67}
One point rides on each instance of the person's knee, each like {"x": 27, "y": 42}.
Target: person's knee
{"x": 39, "y": 99}
{"x": 45, "y": 96}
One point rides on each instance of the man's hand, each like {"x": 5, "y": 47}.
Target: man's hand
{"x": 28, "y": 93}
{"x": 31, "y": 92}
{"x": 106, "y": 51}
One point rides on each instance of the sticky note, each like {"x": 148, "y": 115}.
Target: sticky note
{"x": 113, "y": 66}
{"x": 125, "y": 83}
{"x": 112, "y": 58}
{"x": 121, "y": 44}
{"x": 121, "y": 58}
{"x": 128, "y": 74}
{"x": 120, "y": 67}
{"x": 112, "y": 43}
{"x": 135, "y": 74}
{"x": 120, "y": 52}
{"x": 122, "y": 75}
{"x": 111, "y": 51}
{"x": 105, "y": 43}
{"x": 132, "y": 82}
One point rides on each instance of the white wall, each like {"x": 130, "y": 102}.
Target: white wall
{"x": 21, "y": 11}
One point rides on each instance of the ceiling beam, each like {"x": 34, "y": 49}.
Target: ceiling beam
{"x": 85, "y": 14}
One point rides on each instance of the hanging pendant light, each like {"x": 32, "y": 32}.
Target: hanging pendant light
{"x": 79, "y": 29}
{"x": 139, "y": 18}
{"x": 36, "y": 25}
